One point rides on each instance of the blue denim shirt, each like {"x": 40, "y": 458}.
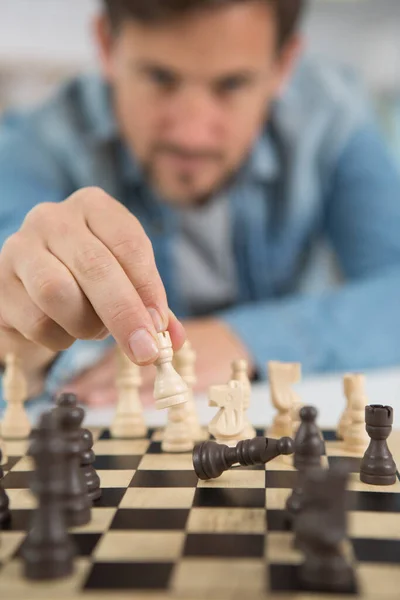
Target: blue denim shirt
{"x": 319, "y": 173}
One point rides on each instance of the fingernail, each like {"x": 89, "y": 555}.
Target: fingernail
{"x": 157, "y": 320}
{"x": 143, "y": 346}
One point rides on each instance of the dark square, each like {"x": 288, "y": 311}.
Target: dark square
{"x": 278, "y": 520}
{"x": 17, "y": 480}
{"x": 106, "y": 435}
{"x": 11, "y": 462}
{"x": 329, "y": 435}
{"x": 244, "y": 498}
{"x": 285, "y": 578}
{"x": 154, "y": 448}
{"x": 376, "y": 551}
{"x": 148, "y": 518}
{"x": 111, "y": 463}
{"x": 129, "y": 576}
{"x": 280, "y": 479}
{"x": 352, "y": 463}
{"x": 157, "y": 479}
{"x": 84, "y": 544}
{"x": 110, "y": 497}
{"x": 20, "y": 520}
{"x": 224, "y": 545}
{"x": 373, "y": 501}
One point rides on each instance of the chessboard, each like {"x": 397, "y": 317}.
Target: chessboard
{"x": 158, "y": 532}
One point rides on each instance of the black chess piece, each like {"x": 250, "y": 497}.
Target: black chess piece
{"x": 308, "y": 449}
{"x": 321, "y": 529}
{"x": 4, "y": 500}
{"x": 76, "y": 501}
{"x": 377, "y": 465}
{"x": 48, "y": 550}
{"x": 210, "y": 459}
{"x": 87, "y": 460}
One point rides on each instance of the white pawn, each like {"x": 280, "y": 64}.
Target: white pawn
{"x": 184, "y": 362}
{"x": 345, "y": 419}
{"x": 228, "y": 424}
{"x": 128, "y": 421}
{"x": 169, "y": 387}
{"x": 15, "y": 423}
{"x": 240, "y": 373}
{"x": 355, "y": 436}
{"x": 281, "y": 377}
{"x": 177, "y": 435}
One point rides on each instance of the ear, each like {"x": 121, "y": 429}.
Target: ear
{"x": 104, "y": 42}
{"x": 287, "y": 61}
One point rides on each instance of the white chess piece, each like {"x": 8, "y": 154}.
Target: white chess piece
{"x": 345, "y": 419}
{"x": 177, "y": 435}
{"x": 281, "y": 377}
{"x": 184, "y": 362}
{"x": 228, "y": 424}
{"x": 355, "y": 437}
{"x": 15, "y": 424}
{"x": 128, "y": 421}
{"x": 240, "y": 373}
{"x": 169, "y": 387}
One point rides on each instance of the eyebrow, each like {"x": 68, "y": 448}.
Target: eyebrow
{"x": 148, "y": 67}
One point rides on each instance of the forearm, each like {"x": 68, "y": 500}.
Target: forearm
{"x": 354, "y": 327}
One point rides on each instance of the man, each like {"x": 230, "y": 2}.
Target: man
{"x": 203, "y": 168}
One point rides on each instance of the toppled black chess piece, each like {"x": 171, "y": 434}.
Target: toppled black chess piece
{"x": 4, "y": 500}
{"x": 211, "y": 459}
{"x": 321, "y": 528}
{"x": 48, "y": 550}
{"x": 89, "y": 473}
{"x": 76, "y": 501}
{"x": 377, "y": 465}
{"x": 308, "y": 449}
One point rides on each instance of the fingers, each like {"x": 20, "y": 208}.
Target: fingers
{"x": 52, "y": 288}
{"x": 19, "y": 313}
{"x": 176, "y": 331}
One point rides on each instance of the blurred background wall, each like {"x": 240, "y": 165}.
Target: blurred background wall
{"x": 43, "y": 41}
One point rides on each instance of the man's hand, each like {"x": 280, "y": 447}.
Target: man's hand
{"x": 83, "y": 269}
{"x": 215, "y": 344}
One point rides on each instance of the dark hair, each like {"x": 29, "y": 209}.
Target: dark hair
{"x": 288, "y": 12}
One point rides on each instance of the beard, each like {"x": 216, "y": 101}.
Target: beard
{"x": 186, "y": 182}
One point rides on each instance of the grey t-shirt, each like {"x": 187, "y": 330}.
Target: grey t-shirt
{"x": 204, "y": 257}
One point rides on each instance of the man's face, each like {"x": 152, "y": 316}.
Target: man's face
{"x": 191, "y": 95}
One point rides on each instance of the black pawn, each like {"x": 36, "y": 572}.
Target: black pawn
{"x": 4, "y": 501}
{"x": 377, "y": 465}
{"x": 89, "y": 473}
{"x": 210, "y": 459}
{"x": 308, "y": 449}
{"x": 321, "y": 528}
{"x": 48, "y": 550}
{"x": 76, "y": 501}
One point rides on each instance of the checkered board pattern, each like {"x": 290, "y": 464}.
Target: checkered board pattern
{"x": 158, "y": 532}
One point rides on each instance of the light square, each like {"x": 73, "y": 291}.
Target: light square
{"x": 16, "y": 447}
{"x": 275, "y": 498}
{"x": 21, "y": 499}
{"x": 279, "y": 548}
{"x": 378, "y": 580}
{"x": 10, "y": 541}
{"x": 158, "y": 498}
{"x": 236, "y": 478}
{"x": 363, "y": 524}
{"x": 121, "y": 447}
{"x": 150, "y": 546}
{"x": 227, "y": 520}
{"x": 358, "y": 486}
{"x": 25, "y": 464}
{"x": 100, "y": 521}
{"x": 166, "y": 462}
{"x": 115, "y": 479}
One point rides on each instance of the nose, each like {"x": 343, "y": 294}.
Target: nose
{"x": 193, "y": 120}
